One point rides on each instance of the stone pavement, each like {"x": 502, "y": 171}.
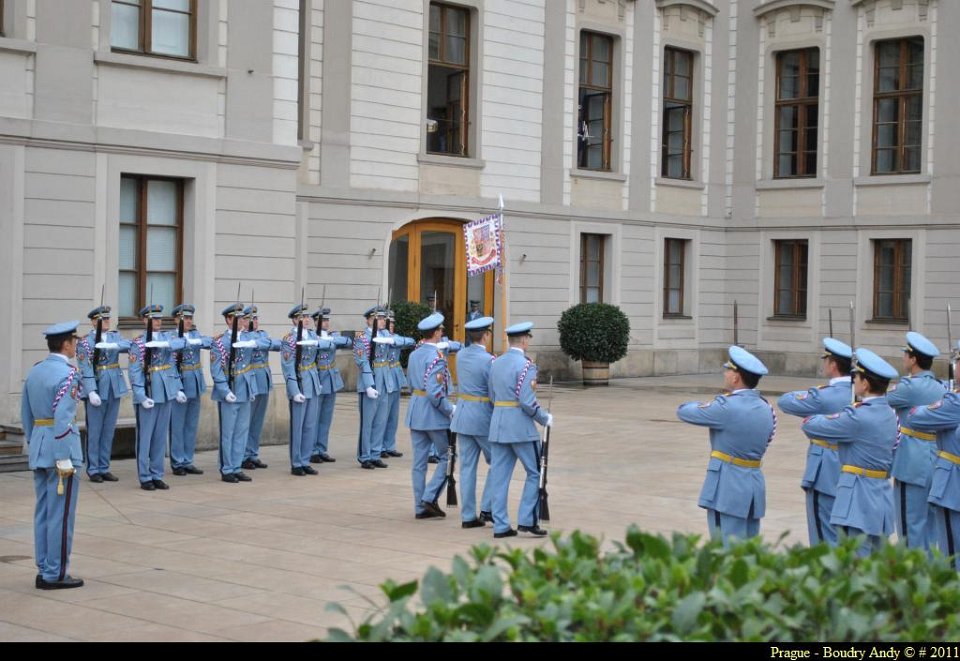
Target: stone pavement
{"x": 208, "y": 560}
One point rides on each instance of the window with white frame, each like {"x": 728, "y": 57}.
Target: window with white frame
{"x": 166, "y": 28}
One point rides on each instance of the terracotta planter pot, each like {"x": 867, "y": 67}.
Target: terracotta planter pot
{"x": 596, "y": 374}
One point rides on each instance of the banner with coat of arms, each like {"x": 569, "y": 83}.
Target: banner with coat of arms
{"x": 484, "y": 244}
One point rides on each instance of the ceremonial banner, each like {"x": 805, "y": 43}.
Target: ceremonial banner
{"x": 484, "y": 247}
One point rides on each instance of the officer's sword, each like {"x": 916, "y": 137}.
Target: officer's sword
{"x": 544, "y": 507}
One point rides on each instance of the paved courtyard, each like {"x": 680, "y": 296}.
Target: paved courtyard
{"x": 208, "y": 560}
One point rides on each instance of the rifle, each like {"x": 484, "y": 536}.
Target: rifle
{"x": 951, "y": 355}
{"x": 234, "y": 338}
{"x": 853, "y": 356}
{"x": 98, "y": 339}
{"x": 544, "y": 506}
{"x": 253, "y": 305}
{"x": 298, "y": 352}
{"x": 830, "y": 321}
{"x": 373, "y": 333}
{"x": 180, "y": 353}
{"x": 736, "y": 325}
{"x": 147, "y": 351}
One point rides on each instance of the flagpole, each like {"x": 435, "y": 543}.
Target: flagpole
{"x": 503, "y": 280}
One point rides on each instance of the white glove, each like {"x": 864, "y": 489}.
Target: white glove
{"x": 384, "y": 340}
{"x": 299, "y": 398}
{"x": 65, "y": 467}
{"x": 157, "y": 344}
{"x": 308, "y": 343}
{"x": 372, "y": 392}
{"x": 147, "y": 403}
{"x": 94, "y": 398}
{"x": 231, "y": 398}
{"x": 181, "y": 397}
{"x": 453, "y": 412}
{"x": 549, "y": 420}
{"x": 106, "y": 345}
{"x": 443, "y": 345}
{"x": 324, "y": 333}
{"x": 194, "y": 341}
{"x": 246, "y": 344}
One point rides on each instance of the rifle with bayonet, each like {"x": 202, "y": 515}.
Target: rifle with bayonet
{"x": 97, "y": 340}
{"x": 147, "y": 351}
{"x": 234, "y": 338}
{"x": 544, "y": 451}
{"x": 951, "y": 351}
{"x": 853, "y": 355}
{"x": 298, "y": 352}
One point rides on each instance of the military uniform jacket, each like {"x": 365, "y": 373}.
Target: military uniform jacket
{"x": 244, "y": 382}
{"x": 742, "y": 425}
{"x": 309, "y": 385}
{"x": 261, "y": 359}
{"x": 400, "y": 342}
{"x": 330, "y": 379}
{"x": 474, "y": 407}
{"x": 913, "y": 460}
{"x": 430, "y": 406}
{"x": 511, "y": 382}
{"x": 943, "y": 418}
{"x": 109, "y": 382}
{"x": 823, "y": 464}
{"x": 361, "y": 356}
{"x": 384, "y": 376}
{"x": 866, "y": 433}
{"x": 165, "y": 382}
{"x": 47, "y": 409}
{"x": 191, "y": 367}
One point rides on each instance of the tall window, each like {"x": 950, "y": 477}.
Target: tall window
{"x": 154, "y": 27}
{"x": 448, "y": 80}
{"x": 591, "y": 268}
{"x": 790, "y": 279}
{"x": 898, "y": 106}
{"x": 596, "y": 101}
{"x": 674, "y": 266}
{"x": 891, "y": 279}
{"x": 151, "y": 243}
{"x": 796, "y": 116}
{"x": 2, "y": 33}
{"x": 677, "y": 113}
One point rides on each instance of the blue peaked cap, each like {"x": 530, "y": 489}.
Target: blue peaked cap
{"x": 431, "y": 322}
{"x": 233, "y": 308}
{"x": 102, "y": 311}
{"x": 184, "y": 309}
{"x": 522, "y": 328}
{"x": 837, "y": 348}
{"x": 746, "y": 361}
{"x": 483, "y": 323}
{"x": 152, "y": 311}
{"x": 867, "y": 361}
{"x": 62, "y": 328}
{"x": 919, "y": 344}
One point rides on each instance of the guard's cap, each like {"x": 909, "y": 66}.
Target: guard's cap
{"x": 522, "y": 328}
{"x": 482, "y": 323}
{"x": 153, "y": 311}
{"x": 183, "y": 310}
{"x": 431, "y": 322}
{"x": 868, "y": 361}
{"x": 321, "y": 313}
{"x": 745, "y": 361}
{"x": 233, "y": 309}
{"x": 251, "y": 311}
{"x": 917, "y": 343}
{"x": 61, "y": 328}
{"x": 102, "y": 312}
{"x": 297, "y": 310}
{"x": 834, "y": 347}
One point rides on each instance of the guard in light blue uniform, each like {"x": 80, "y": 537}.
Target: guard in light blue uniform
{"x": 103, "y": 387}
{"x": 513, "y": 434}
{"x": 233, "y": 404}
{"x": 943, "y": 419}
{"x": 398, "y": 344}
{"x": 373, "y": 411}
{"x": 153, "y": 409}
{"x": 742, "y": 425}
{"x": 303, "y": 389}
{"x": 866, "y": 433}
{"x": 185, "y": 417}
{"x": 448, "y": 347}
{"x": 264, "y": 384}
{"x": 48, "y": 406}
{"x": 823, "y": 463}
{"x": 428, "y": 416}
{"x": 330, "y": 384}
{"x": 471, "y": 421}
{"x": 915, "y": 457}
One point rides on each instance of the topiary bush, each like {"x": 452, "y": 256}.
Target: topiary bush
{"x": 408, "y": 314}
{"x": 594, "y": 331}
{"x": 650, "y": 588}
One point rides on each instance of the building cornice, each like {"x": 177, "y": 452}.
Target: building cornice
{"x": 775, "y": 5}
{"x": 702, "y": 5}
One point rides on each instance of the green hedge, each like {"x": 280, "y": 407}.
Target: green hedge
{"x": 651, "y": 588}
{"x": 408, "y": 314}
{"x": 594, "y": 331}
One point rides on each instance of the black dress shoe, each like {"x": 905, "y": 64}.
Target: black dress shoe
{"x": 230, "y": 477}
{"x": 316, "y": 459}
{"x": 296, "y": 470}
{"x": 192, "y": 470}
{"x": 427, "y": 514}
{"x": 248, "y": 465}
{"x": 536, "y": 531}
{"x": 506, "y": 533}
{"x": 148, "y": 486}
{"x": 258, "y": 463}
{"x": 486, "y": 516}
{"x": 179, "y": 471}
{"x": 367, "y": 464}
{"x": 476, "y": 523}
{"x": 243, "y": 477}
{"x": 160, "y": 484}
{"x": 65, "y": 584}
{"x": 38, "y": 582}
{"x": 384, "y": 454}
{"x": 433, "y": 460}
{"x": 109, "y": 477}
{"x": 96, "y": 478}
{"x": 432, "y": 507}
{"x": 379, "y": 464}
{"x": 393, "y": 453}
{"x": 327, "y": 458}
{"x": 310, "y": 470}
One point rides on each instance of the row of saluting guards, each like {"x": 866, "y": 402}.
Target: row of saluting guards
{"x": 495, "y": 414}
{"x": 862, "y": 432}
